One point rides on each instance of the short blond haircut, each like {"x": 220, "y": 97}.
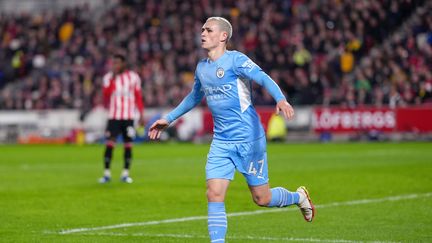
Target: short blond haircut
{"x": 223, "y": 24}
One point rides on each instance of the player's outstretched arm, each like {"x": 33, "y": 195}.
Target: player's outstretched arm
{"x": 286, "y": 109}
{"x": 157, "y": 127}
{"x": 247, "y": 68}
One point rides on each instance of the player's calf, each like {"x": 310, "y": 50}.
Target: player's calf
{"x": 217, "y": 221}
{"x": 281, "y": 197}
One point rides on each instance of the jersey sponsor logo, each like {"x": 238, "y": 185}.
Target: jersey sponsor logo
{"x": 217, "y": 92}
{"x": 220, "y": 72}
{"x": 210, "y": 90}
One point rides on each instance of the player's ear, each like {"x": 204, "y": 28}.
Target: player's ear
{"x": 224, "y": 36}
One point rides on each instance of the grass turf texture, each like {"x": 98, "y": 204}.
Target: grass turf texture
{"x": 46, "y": 189}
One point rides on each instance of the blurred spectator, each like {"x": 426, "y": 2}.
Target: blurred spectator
{"x": 320, "y": 52}
{"x": 346, "y": 61}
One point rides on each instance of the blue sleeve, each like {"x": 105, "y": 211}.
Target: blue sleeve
{"x": 246, "y": 68}
{"x": 189, "y": 102}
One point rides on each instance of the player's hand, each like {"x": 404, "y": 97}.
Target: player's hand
{"x": 157, "y": 127}
{"x": 286, "y": 109}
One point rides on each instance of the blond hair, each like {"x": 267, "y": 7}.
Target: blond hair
{"x": 223, "y": 24}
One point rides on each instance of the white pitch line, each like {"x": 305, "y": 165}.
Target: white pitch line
{"x": 253, "y": 238}
{"x": 194, "y": 218}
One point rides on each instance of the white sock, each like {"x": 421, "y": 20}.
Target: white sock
{"x": 125, "y": 173}
{"x": 107, "y": 173}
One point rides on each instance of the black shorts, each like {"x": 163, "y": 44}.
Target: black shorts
{"x": 123, "y": 127}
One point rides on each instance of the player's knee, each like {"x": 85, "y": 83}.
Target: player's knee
{"x": 110, "y": 143}
{"x": 261, "y": 200}
{"x": 214, "y": 195}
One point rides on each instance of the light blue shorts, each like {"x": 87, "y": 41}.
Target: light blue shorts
{"x": 248, "y": 158}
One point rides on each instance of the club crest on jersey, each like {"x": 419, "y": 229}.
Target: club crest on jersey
{"x": 220, "y": 72}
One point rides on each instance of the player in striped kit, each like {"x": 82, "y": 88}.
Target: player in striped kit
{"x": 225, "y": 78}
{"x": 122, "y": 95}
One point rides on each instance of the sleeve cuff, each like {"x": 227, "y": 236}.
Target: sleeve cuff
{"x": 169, "y": 118}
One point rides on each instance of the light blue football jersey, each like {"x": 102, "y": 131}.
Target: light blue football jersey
{"x": 226, "y": 83}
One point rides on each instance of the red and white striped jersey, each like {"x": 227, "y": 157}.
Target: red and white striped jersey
{"x": 122, "y": 95}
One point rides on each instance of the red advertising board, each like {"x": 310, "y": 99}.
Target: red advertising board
{"x": 334, "y": 119}
{"x": 351, "y": 120}
{"x": 414, "y": 119}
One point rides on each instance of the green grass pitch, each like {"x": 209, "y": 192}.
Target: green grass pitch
{"x": 364, "y": 192}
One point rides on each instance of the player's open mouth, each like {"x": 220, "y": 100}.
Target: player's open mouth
{"x": 202, "y": 40}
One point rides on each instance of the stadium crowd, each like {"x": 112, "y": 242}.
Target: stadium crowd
{"x": 320, "y": 52}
